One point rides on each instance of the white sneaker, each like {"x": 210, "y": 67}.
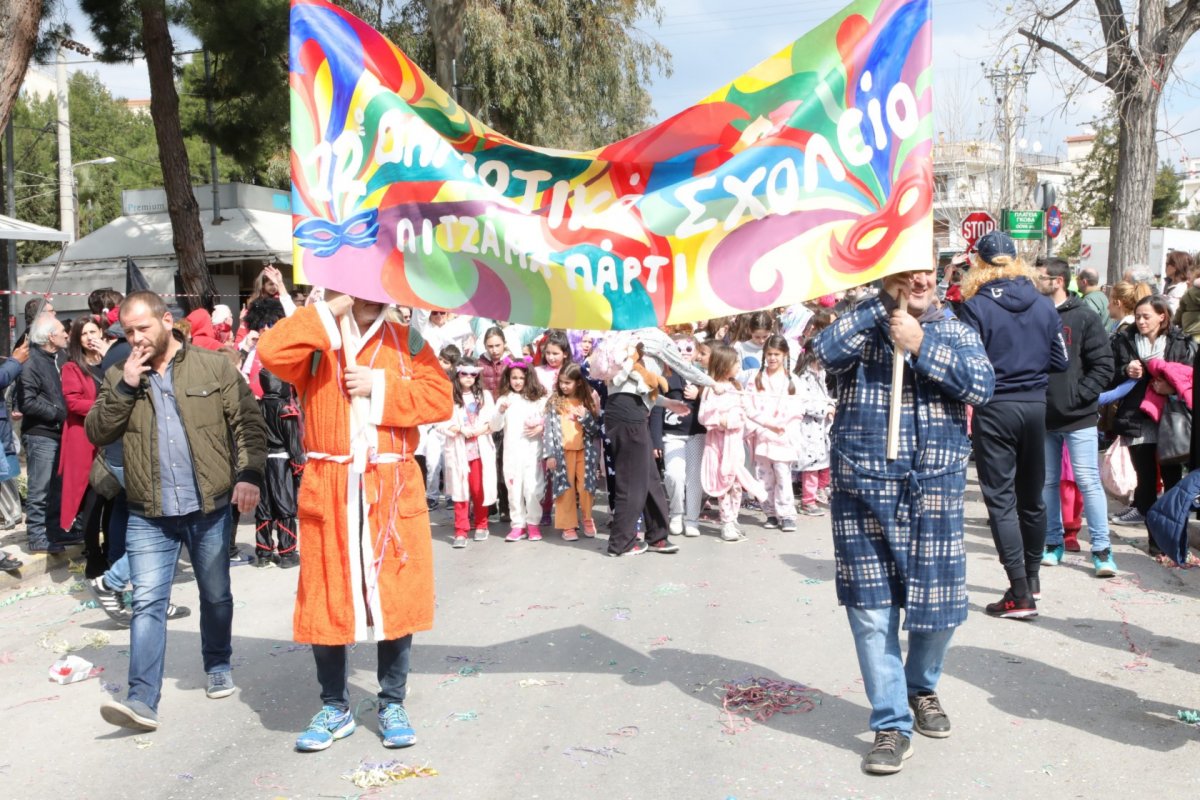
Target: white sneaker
{"x": 675, "y": 526}
{"x": 730, "y": 533}
{"x": 481, "y": 534}
{"x": 691, "y": 530}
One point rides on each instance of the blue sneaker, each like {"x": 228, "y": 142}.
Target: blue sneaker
{"x": 1103, "y": 561}
{"x": 395, "y": 728}
{"x": 1053, "y": 555}
{"x": 330, "y": 723}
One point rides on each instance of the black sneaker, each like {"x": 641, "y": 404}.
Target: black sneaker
{"x": 1011, "y": 607}
{"x": 665, "y": 546}
{"x": 888, "y": 754}
{"x": 110, "y": 602}
{"x": 431, "y": 503}
{"x": 772, "y": 522}
{"x": 289, "y": 560}
{"x": 928, "y": 717}
{"x": 9, "y": 564}
{"x": 1035, "y": 587}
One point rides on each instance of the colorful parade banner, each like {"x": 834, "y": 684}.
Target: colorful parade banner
{"x": 809, "y": 174}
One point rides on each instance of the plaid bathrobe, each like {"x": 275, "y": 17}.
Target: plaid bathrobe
{"x": 897, "y": 526}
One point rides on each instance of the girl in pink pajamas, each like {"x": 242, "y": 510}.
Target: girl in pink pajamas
{"x": 776, "y": 431}
{"x": 723, "y": 411}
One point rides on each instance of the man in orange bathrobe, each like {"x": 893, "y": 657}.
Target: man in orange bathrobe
{"x": 366, "y": 561}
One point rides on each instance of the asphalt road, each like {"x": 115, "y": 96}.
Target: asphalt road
{"x": 556, "y": 672}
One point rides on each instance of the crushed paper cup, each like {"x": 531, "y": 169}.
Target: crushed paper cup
{"x": 72, "y": 669}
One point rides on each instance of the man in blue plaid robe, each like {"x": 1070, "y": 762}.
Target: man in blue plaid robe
{"x": 898, "y": 525}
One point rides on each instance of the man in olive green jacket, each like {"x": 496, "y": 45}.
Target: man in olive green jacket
{"x": 194, "y": 443}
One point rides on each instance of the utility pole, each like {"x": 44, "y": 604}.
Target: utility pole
{"x": 66, "y": 176}
{"x": 66, "y": 181}
{"x": 1009, "y": 88}
{"x": 212, "y": 148}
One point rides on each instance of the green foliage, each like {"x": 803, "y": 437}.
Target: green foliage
{"x": 101, "y": 126}
{"x": 247, "y": 44}
{"x": 1167, "y": 199}
{"x": 1091, "y": 191}
{"x": 561, "y": 73}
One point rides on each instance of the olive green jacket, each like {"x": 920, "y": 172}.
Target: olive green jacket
{"x": 220, "y": 416}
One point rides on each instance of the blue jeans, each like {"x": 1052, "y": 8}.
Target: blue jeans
{"x": 43, "y": 491}
{"x": 1083, "y": 449}
{"x": 888, "y": 679}
{"x": 392, "y": 657}
{"x": 152, "y": 545}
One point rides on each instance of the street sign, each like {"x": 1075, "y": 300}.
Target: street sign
{"x": 975, "y": 225}
{"x": 1053, "y": 222}
{"x": 1026, "y": 225}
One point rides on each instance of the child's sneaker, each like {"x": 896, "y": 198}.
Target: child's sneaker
{"x": 569, "y": 535}
{"x": 812, "y": 510}
{"x": 481, "y": 534}
{"x": 515, "y": 535}
{"x": 787, "y": 524}
{"x": 691, "y": 531}
{"x": 535, "y": 534}
{"x": 460, "y": 541}
{"x": 730, "y": 533}
{"x": 772, "y": 522}
{"x": 589, "y": 528}
{"x": 675, "y": 527}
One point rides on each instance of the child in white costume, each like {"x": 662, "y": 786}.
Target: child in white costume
{"x": 520, "y": 416}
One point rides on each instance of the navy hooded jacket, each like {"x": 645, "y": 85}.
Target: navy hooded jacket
{"x": 1022, "y": 334}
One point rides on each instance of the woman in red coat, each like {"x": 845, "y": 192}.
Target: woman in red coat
{"x": 80, "y": 381}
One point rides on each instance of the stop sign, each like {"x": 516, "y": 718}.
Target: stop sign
{"x": 975, "y": 225}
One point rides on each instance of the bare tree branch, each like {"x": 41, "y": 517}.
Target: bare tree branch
{"x": 1054, "y": 47}
{"x": 1064, "y": 10}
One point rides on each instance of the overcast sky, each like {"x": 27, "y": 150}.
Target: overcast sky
{"x": 714, "y": 41}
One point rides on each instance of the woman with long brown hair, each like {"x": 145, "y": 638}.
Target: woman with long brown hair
{"x": 81, "y": 376}
{"x": 1151, "y": 337}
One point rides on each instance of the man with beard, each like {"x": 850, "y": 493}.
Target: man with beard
{"x": 898, "y": 524}
{"x": 177, "y": 410}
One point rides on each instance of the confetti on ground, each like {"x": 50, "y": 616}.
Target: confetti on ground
{"x": 623, "y": 614}
{"x": 31, "y": 702}
{"x": 259, "y": 782}
{"x": 369, "y": 776}
{"x": 464, "y": 716}
{"x": 186, "y": 776}
{"x": 665, "y": 589}
{"x": 528, "y": 683}
{"x": 537, "y": 607}
{"x": 291, "y": 648}
{"x": 761, "y": 698}
{"x": 142, "y": 742}
{"x": 31, "y": 593}
{"x": 603, "y": 752}
{"x": 813, "y": 581}
{"x": 627, "y": 731}
{"x": 90, "y": 604}
{"x": 112, "y": 688}
{"x": 660, "y": 641}
{"x": 96, "y": 639}
{"x": 6, "y": 658}
{"x": 1191, "y": 717}
{"x": 76, "y": 567}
